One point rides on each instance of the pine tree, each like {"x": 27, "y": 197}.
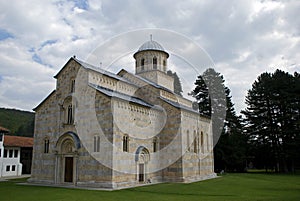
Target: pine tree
{"x": 271, "y": 116}
{"x": 230, "y": 151}
{"x": 211, "y": 99}
{"x": 177, "y": 83}
{"x": 200, "y": 93}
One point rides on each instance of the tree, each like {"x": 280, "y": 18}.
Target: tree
{"x": 271, "y": 117}
{"x": 177, "y": 83}
{"x": 230, "y": 151}
{"x": 200, "y": 93}
{"x": 213, "y": 99}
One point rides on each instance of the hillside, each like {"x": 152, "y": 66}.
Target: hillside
{"x": 18, "y": 122}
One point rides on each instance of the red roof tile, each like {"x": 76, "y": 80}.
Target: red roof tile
{"x": 18, "y": 141}
{"x": 4, "y": 129}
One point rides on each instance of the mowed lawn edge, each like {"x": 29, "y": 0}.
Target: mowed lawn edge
{"x": 244, "y": 186}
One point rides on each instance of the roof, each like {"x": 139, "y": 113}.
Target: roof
{"x": 145, "y": 80}
{"x": 183, "y": 107}
{"x": 112, "y": 93}
{"x": 151, "y": 45}
{"x": 34, "y": 109}
{"x": 102, "y": 71}
{"x": 17, "y": 141}
{"x": 4, "y": 130}
{"x": 94, "y": 68}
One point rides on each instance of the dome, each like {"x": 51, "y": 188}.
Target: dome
{"x": 151, "y": 45}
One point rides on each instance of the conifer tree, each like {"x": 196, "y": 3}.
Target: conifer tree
{"x": 213, "y": 99}
{"x": 272, "y": 117}
{"x": 177, "y": 83}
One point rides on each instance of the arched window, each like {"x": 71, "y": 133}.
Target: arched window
{"x": 195, "y": 143}
{"x": 142, "y": 63}
{"x": 96, "y": 143}
{"x": 165, "y": 65}
{"x": 46, "y": 145}
{"x": 207, "y": 142}
{"x": 72, "y": 87}
{"x": 70, "y": 118}
{"x": 155, "y": 144}
{"x": 125, "y": 143}
{"x": 201, "y": 143}
{"x": 188, "y": 140}
{"x": 154, "y": 63}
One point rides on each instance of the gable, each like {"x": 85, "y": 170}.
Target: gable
{"x": 44, "y": 101}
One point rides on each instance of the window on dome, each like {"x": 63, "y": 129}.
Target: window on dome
{"x": 142, "y": 63}
{"x": 154, "y": 63}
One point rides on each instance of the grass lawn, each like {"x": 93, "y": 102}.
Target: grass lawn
{"x": 251, "y": 186}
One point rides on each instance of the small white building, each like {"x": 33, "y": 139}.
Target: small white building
{"x": 10, "y": 154}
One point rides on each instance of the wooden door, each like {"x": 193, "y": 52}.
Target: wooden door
{"x": 69, "y": 169}
{"x": 141, "y": 173}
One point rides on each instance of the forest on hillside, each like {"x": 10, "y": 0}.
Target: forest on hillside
{"x": 19, "y": 122}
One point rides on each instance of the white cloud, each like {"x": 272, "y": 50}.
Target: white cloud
{"x": 244, "y": 38}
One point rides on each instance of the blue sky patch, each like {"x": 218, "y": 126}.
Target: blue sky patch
{"x": 37, "y": 59}
{"x": 5, "y": 34}
{"x": 82, "y": 4}
{"x": 47, "y": 42}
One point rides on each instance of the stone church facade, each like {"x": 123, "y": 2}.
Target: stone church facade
{"x": 104, "y": 130}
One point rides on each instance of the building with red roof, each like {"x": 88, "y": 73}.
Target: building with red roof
{"x": 15, "y": 154}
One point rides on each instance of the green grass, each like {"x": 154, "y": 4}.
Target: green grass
{"x": 228, "y": 187}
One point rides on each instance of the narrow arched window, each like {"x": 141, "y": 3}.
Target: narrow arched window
{"x": 201, "y": 143}
{"x": 125, "y": 143}
{"x": 72, "y": 87}
{"x": 195, "y": 142}
{"x": 188, "y": 140}
{"x": 46, "y": 146}
{"x": 96, "y": 143}
{"x": 165, "y": 65}
{"x": 154, "y": 63}
{"x": 207, "y": 142}
{"x": 70, "y": 115}
{"x": 142, "y": 63}
{"x": 155, "y": 144}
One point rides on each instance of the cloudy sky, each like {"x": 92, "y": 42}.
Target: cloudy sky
{"x": 244, "y": 38}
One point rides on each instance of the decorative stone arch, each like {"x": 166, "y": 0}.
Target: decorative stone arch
{"x": 142, "y": 157}
{"x": 68, "y": 105}
{"x": 67, "y": 147}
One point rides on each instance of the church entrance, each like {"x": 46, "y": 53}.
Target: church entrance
{"x": 68, "y": 169}
{"x": 142, "y": 158}
{"x": 141, "y": 172}
{"x": 67, "y": 158}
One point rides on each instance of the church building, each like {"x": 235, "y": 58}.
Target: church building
{"x": 103, "y": 130}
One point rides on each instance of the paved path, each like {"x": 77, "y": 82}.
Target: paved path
{"x": 14, "y": 177}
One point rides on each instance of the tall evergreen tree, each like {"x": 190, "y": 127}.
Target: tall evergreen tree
{"x": 230, "y": 151}
{"x": 271, "y": 117}
{"x": 177, "y": 83}
{"x": 211, "y": 99}
{"x": 201, "y": 94}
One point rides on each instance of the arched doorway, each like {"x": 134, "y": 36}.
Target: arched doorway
{"x": 142, "y": 158}
{"x": 66, "y": 158}
{"x": 67, "y": 148}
